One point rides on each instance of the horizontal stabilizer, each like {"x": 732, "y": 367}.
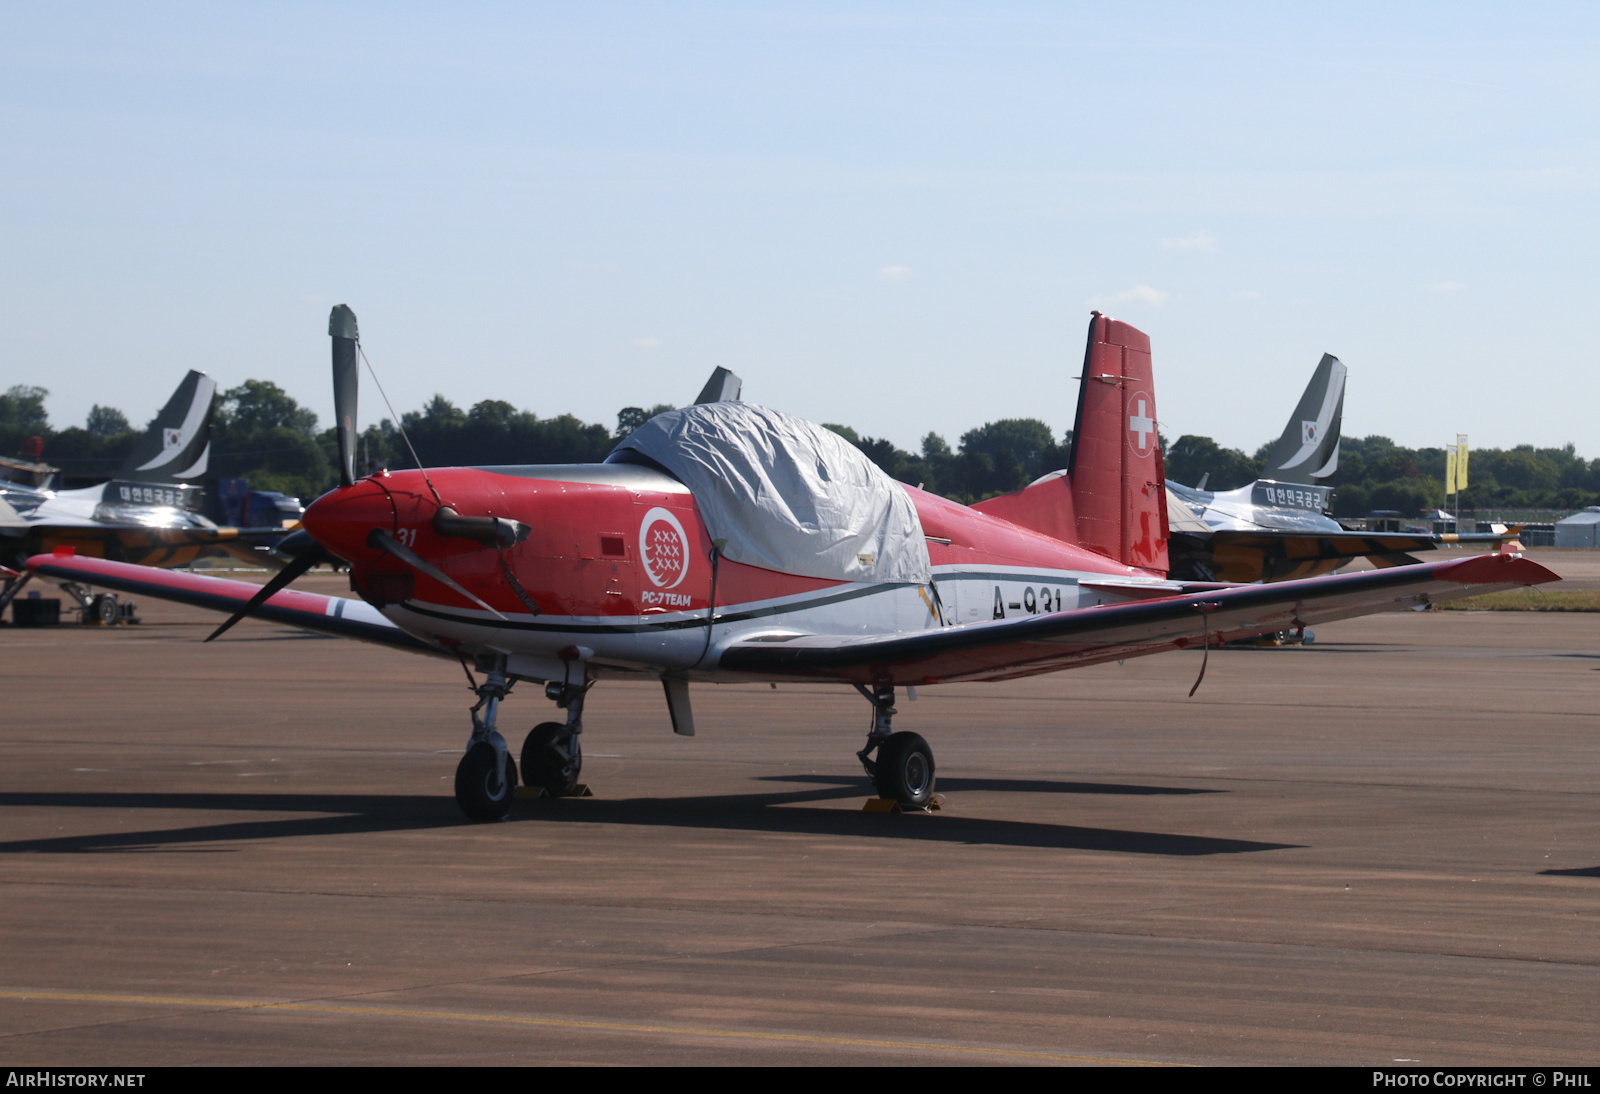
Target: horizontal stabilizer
{"x": 9, "y": 517}
{"x": 1180, "y": 518}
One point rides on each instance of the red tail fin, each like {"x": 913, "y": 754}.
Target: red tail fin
{"x": 1118, "y": 483}
{"x": 1113, "y": 498}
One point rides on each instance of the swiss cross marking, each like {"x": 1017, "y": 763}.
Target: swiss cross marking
{"x": 1141, "y": 423}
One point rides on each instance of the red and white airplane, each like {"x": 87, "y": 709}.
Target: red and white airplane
{"x": 729, "y": 542}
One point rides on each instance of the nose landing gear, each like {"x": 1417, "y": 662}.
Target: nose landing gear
{"x": 552, "y": 757}
{"x": 486, "y": 778}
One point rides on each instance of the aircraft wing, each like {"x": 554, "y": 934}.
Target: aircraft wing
{"x": 1276, "y": 554}
{"x": 133, "y": 542}
{"x": 312, "y": 611}
{"x": 1009, "y": 648}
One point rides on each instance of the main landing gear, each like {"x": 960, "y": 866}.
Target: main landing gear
{"x": 903, "y": 769}
{"x": 486, "y": 778}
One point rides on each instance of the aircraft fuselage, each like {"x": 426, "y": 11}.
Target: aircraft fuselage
{"x": 617, "y": 561}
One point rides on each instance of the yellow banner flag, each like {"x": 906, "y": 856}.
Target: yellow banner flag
{"x": 1449, "y": 471}
{"x": 1461, "y": 462}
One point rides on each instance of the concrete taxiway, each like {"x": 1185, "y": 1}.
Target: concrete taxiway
{"x": 1384, "y": 847}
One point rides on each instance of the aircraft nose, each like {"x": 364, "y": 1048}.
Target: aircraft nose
{"x": 342, "y": 519}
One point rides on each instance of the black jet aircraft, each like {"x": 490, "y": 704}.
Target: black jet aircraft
{"x": 1281, "y": 526}
{"x": 146, "y": 514}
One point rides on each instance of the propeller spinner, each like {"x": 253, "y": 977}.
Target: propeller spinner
{"x": 350, "y": 520}
{"x": 345, "y": 334}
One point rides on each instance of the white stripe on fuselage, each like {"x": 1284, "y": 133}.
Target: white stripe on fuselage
{"x": 357, "y": 611}
{"x": 678, "y": 640}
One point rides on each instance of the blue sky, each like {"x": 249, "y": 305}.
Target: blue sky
{"x": 893, "y": 216}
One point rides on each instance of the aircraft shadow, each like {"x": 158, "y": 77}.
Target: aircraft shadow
{"x": 1585, "y": 871}
{"x": 1015, "y": 786}
{"x": 1318, "y": 647}
{"x": 787, "y": 813}
{"x": 348, "y": 814}
{"x": 354, "y": 814}
{"x": 286, "y": 636}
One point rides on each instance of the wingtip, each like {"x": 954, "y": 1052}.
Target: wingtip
{"x": 1497, "y": 569}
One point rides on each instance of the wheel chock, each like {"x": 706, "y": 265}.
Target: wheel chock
{"x": 579, "y": 791}
{"x": 889, "y": 805}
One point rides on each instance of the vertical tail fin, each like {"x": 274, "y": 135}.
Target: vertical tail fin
{"x": 1112, "y": 498}
{"x": 178, "y": 446}
{"x": 723, "y": 387}
{"x": 1308, "y": 451}
{"x": 1118, "y": 482}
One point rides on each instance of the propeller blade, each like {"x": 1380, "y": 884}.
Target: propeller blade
{"x": 300, "y": 564}
{"x": 385, "y": 542}
{"x": 342, "y": 329}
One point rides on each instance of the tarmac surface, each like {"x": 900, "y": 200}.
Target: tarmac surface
{"x": 1383, "y": 847}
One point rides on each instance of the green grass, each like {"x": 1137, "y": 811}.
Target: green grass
{"x": 1527, "y": 600}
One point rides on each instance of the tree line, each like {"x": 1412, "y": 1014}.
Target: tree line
{"x": 262, "y": 434}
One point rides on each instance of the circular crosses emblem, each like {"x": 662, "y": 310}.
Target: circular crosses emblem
{"x": 663, "y": 548}
{"x": 1141, "y": 422}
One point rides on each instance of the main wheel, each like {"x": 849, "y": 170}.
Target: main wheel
{"x": 905, "y": 769}
{"x": 102, "y": 610}
{"x": 483, "y": 790}
{"x": 552, "y": 758}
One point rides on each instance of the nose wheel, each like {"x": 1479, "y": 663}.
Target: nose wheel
{"x": 486, "y": 782}
{"x": 552, "y": 758}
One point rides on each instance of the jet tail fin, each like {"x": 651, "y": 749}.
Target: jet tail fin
{"x": 1308, "y": 452}
{"x": 177, "y": 449}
